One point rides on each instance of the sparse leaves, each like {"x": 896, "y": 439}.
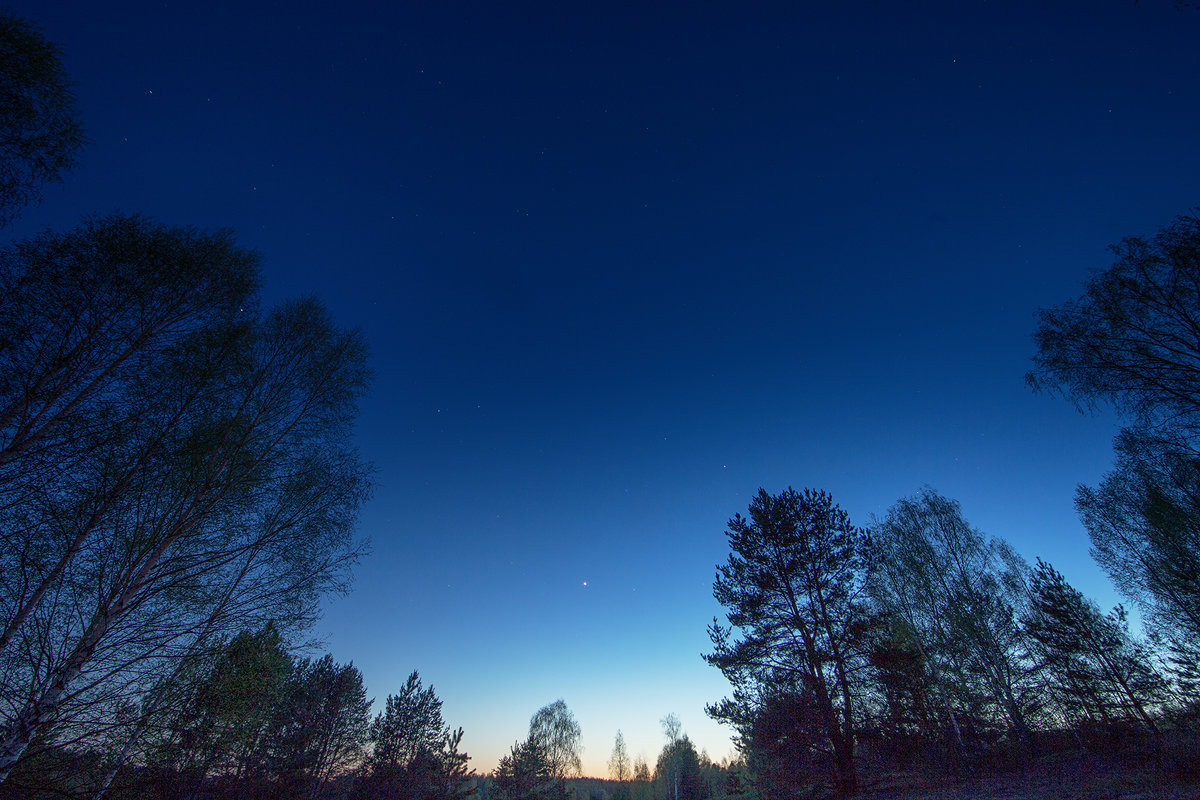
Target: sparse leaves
{"x": 557, "y": 734}
{"x": 618, "y": 763}
{"x": 40, "y": 134}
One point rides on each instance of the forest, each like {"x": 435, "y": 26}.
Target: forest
{"x": 179, "y": 491}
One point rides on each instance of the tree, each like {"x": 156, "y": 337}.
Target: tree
{"x": 1096, "y": 667}
{"x": 40, "y": 135}
{"x": 678, "y": 770}
{"x": 261, "y": 722}
{"x": 618, "y": 764}
{"x": 557, "y": 734}
{"x": 672, "y": 727}
{"x": 784, "y": 746}
{"x": 641, "y": 789}
{"x": 792, "y": 589}
{"x": 1131, "y": 341}
{"x": 453, "y": 776}
{"x": 910, "y": 707}
{"x": 175, "y": 466}
{"x": 415, "y": 756}
{"x": 668, "y": 770}
{"x": 527, "y": 774}
{"x": 320, "y": 726}
{"x": 955, "y": 596}
{"x": 235, "y": 706}
{"x": 1144, "y": 523}
{"x": 410, "y": 725}
{"x": 222, "y": 726}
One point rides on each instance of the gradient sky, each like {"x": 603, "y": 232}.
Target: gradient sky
{"x": 620, "y": 265}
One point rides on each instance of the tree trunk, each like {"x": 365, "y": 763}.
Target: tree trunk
{"x": 134, "y": 735}
{"x": 843, "y": 760}
{"x": 37, "y": 713}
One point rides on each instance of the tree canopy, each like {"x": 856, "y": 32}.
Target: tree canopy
{"x": 793, "y": 590}
{"x": 40, "y": 134}
{"x": 557, "y": 734}
{"x": 1133, "y": 340}
{"x": 175, "y": 464}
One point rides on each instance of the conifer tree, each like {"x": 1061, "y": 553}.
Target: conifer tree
{"x": 793, "y": 590}
{"x": 526, "y": 773}
{"x": 414, "y": 756}
{"x": 1095, "y": 665}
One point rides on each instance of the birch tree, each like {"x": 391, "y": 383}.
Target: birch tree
{"x": 557, "y": 733}
{"x": 175, "y": 464}
{"x": 618, "y": 763}
{"x": 958, "y": 595}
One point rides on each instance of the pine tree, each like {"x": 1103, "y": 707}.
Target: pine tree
{"x": 793, "y": 588}
{"x": 526, "y": 773}
{"x": 1099, "y": 671}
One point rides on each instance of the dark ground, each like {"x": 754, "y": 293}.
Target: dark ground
{"x": 1062, "y": 779}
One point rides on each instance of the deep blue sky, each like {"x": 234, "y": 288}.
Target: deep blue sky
{"x": 620, "y": 267}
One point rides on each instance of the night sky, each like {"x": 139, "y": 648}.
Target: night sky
{"x": 621, "y": 265}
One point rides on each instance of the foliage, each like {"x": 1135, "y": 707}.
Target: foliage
{"x": 1130, "y": 340}
{"x": 260, "y": 718}
{"x": 527, "y": 773}
{"x": 319, "y": 728}
{"x": 909, "y": 716}
{"x": 223, "y": 729}
{"x": 557, "y": 734}
{"x": 641, "y": 789}
{"x": 40, "y": 135}
{"x": 952, "y": 598}
{"x": 1098, "y": 671}
{"x": 410, "y": 725}
{"x": 1144, "y": 523}
{"x": 174, "y": 466}
{"x": 414, "y": 755}
{"x": 786, "y": 757}
{"x": 792, "y": 588}
{"x": 678, "y": 772}
{"x": 672, "y": 727}
{"x": 618, "y": 763}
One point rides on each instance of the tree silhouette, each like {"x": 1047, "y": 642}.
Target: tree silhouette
{"x": 1131, "y": 340}
{"x": 557, "y": 734}
{"x": 618, "y": 763}
{"x": 953, "y": 596}
{"x": 1095, "y": 663}
{"x": 174, "y": 465}
{"x": 792, "y": 588}
{"x": 527, "y": 774}
{"x": 40, "y": 135}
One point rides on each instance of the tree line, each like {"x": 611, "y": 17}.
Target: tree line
{"x": 919, "y": 639}
{"x": 255, "y": 720}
